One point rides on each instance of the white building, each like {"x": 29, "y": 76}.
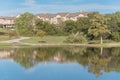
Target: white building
{"x": 7, "y": 22}
{"x": 61, "y": 17}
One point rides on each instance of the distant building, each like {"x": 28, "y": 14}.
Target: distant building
{"x": 61, "y": 17}
{"x": 7, "y": 22}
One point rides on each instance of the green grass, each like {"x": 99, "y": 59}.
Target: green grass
{"x": 4, "y": 34}
{"x": 5, "y": 44}
{"x": 4, "y": 30}
{"x": 47, "y": 39}
{"x": 98, "y": 41}
{"x": 61, "y": 39}
{"x": 6, "y": 37}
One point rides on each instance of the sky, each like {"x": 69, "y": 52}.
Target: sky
{"x": 15, "y": 7}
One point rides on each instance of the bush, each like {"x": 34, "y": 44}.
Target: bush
{"x": 98, "y": 41}
{"x": 76, "y": 38}
{"x": 2, "y": 33}
{"x": 115, "y": 36}
{"x": 12, "y": 34}
{"x": 42, "y": 41}
{"x": 41, "y": 33}
{"x": 1, "y": 26}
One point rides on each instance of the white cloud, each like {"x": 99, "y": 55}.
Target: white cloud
{"x": 32, "y": 7}
{"x": 29, "y": 3}
{"x": 64, "y": 2}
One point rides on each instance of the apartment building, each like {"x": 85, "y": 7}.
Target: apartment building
{"x": 7, "y": 22}
{"x": 60, "y": 17}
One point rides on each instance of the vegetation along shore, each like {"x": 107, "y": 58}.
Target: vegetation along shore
{"x": 93, "y": 29}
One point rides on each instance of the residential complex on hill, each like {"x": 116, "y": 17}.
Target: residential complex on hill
{"x": 61, "y": 17}
{"x": 8, "y": 22}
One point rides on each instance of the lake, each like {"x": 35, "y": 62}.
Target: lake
{"x": 59, "y": 63}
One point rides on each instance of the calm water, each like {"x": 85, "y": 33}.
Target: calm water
{"x": 60, "y": 63}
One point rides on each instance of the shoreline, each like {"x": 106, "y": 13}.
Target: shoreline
{"x": 62, "y": 44}
{"x": 18, "y": 42}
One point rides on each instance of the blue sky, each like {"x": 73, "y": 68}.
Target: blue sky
{"x": 15, "y": 7}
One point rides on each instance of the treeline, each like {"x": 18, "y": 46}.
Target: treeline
{"x": 95, "y": 26}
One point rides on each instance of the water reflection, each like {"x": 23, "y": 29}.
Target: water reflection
{"x": 95, "y": 60}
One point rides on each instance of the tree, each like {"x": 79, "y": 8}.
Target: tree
{"x": 116, "y": 36}
{"x": 24, "y": 24}
{"x": 69, "y": 26}
{"x": 98, "y": 26}
{"x": 49, "y": 28}
{"x": 82, "y": 24}
{"x": 114, "y": 25}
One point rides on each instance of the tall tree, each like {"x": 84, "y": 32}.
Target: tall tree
{"x": 98, "y": 26}
{"x": 82, "y": 24}
{"x": 69, "y": 26}
{"x": 24, "y": 24}
{"x": 114, "y": 25}
{"x": 49, "y": 28}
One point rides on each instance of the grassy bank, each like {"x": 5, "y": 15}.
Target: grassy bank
{"x": 5, "y": 37}
{"x": 59, "y": 41}
{"x": 5, "y": 44}
{"x": 46, "y": 39}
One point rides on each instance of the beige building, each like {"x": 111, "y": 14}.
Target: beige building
{"x": 7, "y": 22}
{"x": 61, "y": 17}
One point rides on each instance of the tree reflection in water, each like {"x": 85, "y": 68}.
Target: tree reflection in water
{"x": 98, "y": 60}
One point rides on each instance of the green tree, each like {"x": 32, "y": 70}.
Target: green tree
{"x": 49, "y": 28}
{"x": 83, "y": 24}
{"x": 98, "y": 26}
{"x": 24, "y": 24}
{"x": 114, "y": 25}
{"x": 69, "y": 26}
{"x": 115, "y": 36}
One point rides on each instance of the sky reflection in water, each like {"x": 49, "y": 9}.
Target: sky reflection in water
{"x": 70, "y": 66}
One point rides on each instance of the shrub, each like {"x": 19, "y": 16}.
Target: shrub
{"x": 41, "y": 33}
{"x": 12, "y": 34}
{"x": 2, "y": 33}
{"x": 115, "y": 36}
{"x": 76, "y": 38}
